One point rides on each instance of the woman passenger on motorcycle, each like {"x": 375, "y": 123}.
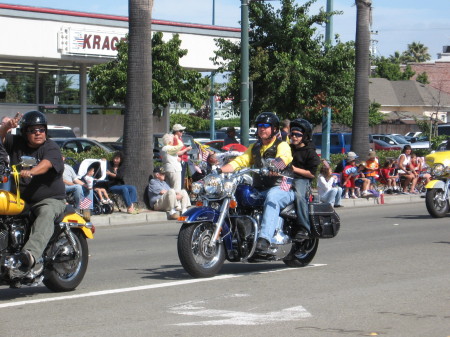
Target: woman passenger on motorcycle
{"x": 267, "y": 146}
{"x": 405, "y": 171}
{"x": 304, "y": 164}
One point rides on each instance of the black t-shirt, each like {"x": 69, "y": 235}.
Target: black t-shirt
{"x": 47, "y": 185}
{"x": 305, "y": 158}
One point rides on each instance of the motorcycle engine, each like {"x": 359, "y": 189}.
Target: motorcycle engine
{"x": 12, "y": 234}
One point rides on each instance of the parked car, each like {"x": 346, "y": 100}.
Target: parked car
{"x": 54, "y": 131}
{"x": 444, "y": 130}
{"x": 79, "y": 145}
{"x": 382, "y": 145}
{"x": 339, "y": 142}
{"x": 391, "y": 139}
{"x": 420, "y": 142}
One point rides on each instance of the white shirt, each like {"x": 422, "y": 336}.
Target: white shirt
{"x": 323, "y": 186}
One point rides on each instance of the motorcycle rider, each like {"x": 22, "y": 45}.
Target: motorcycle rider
{"x": 304, "y": 165}
{"x": 42, "y": 186}
{"x": 267, "y": 146}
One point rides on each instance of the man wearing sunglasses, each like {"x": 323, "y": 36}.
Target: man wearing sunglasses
{"x": 42, "y": 186}
{"x": 267, "y": 146}
{"x": 304, "y": 165}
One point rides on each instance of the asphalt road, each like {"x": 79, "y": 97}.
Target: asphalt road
{"x": 386, "y": 273}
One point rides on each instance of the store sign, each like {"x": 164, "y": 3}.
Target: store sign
{"x": 75, "y": 41}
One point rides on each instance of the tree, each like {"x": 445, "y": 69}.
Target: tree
{"x": 289, "y": 63}
{"x": 138, "y": 128}
{"x": 423, "y": 78}
{"x": 360, "y": 134}
{"x": 171, "y": 82}
{"x": 388, "y": 68}
{"x": 416, "y": 52}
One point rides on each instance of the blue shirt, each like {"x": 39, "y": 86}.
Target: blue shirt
{"x": 154, "y": 189}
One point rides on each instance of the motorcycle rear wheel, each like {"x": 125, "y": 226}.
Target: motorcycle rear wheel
{"x": 437, "y": 207}
{"x": 302, "y": 253}
{"x": 67, "y": 275}
{"x": 196, "y": 256}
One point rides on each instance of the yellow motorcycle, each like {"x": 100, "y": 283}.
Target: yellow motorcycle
{"x": 437, "y": 195}
{"x": 65, "y": 259}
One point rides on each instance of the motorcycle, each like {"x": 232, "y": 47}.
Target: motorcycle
{"x": 225, "y": 222}
{"x": 437, "y": 194}
{"x": 65, "y": 259}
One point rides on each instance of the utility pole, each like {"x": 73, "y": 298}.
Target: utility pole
{"x": 244, "y": 104}
{"x": 212, "y": 126}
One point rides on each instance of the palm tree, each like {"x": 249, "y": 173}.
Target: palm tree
{"x": 360, "y": 134}
{"x": 138, "y": 128}
{"x": 417, "y": 52}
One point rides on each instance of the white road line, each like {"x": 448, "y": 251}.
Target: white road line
{"x": 139, "y": 288}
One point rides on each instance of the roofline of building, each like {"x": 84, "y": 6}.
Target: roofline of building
{"x": 119, "y": 19}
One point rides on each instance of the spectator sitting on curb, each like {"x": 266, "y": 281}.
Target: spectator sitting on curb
{"x": 372, "y": 167}
{"x": 327, "y": 187}
{"x": 344, "y": 162}
{"x": 164, "y": 198}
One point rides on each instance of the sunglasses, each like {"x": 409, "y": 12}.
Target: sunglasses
{"x": 264, "y": 125}
{"x": 296, "y": 134}
{"x": 36, "y": 131}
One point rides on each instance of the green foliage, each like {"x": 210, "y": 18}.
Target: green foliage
{"x": 290, "y": 63}
{"x": 171, "y": 82}
{"x": 389, "y": 69}
{"x": 194, "y": 123}
{"x": 375, "y": 116}
{"x": 416, "y": 52}
{"x": 423, "y": 78}
{"x": 95, "y": 153}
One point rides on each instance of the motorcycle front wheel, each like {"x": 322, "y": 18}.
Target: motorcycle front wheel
{"x": 197, "y": 257}
{"x": 436, "y": 202}
{"x": 67, "y": 270}
{"x": 302, "y": 253}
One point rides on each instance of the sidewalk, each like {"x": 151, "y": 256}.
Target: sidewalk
{"x": 148, "y": 216}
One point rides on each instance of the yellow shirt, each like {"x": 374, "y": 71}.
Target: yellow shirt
{"x": 246, "y": 160}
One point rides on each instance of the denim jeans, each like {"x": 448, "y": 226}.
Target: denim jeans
{"x": 79, "y": 193}
{"x": 276, "y": 200}
{"x": 127, "y": 192}
{"x": 301, "y": 187}
{"x": 332, "y": 196}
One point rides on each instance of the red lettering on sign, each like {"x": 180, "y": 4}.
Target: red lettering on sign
{"x": 106, "y": 43}
{"x": 96, "y": 42}
{"x": 114, "y": 41}
{"x": 86, "y": 41}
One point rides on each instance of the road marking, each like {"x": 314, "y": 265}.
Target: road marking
{"x": 147, "y": 287}
{"x": 240, "y": 317}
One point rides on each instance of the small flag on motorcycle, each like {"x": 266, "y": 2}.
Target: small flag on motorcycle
{"x": 279, "y": 164}
{"x": 286, "y": 183}
{"x": 85, "y": 203}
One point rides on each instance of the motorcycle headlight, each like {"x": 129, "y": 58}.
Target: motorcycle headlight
{"x": 228, "y": 186}
{"x": 196, "y": 187}
{"x": 213, "y": 186}
{"x": 447, "y": 170}
{"x": 438, "y": 170}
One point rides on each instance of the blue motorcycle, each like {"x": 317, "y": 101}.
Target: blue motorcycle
{"x": 225, "y": 224}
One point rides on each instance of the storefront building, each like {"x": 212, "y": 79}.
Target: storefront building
{"x": 46, "y": 54}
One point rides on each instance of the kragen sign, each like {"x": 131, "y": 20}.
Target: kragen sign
{"x": 76, "y": 41}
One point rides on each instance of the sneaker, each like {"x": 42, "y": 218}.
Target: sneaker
{"x": 365, "y": 193}
{"x": 354, "y": 197}
{"x": 346, "y": 196}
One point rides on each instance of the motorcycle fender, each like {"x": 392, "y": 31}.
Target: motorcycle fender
{"x": 74, "y": 220}
{"x": 200, "y": 214}
{"x": 435, "y": 184}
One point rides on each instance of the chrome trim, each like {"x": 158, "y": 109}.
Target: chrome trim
{"x": 223, "y": 213}
{"x": 255, "y": 238}
{"x": 76, "y": 224}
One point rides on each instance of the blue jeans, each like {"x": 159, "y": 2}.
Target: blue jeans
{"x": 301, "y": 187}
{"x": 127, "y": 192}
{"x": 79, "y": 193}
{"x": 276, "y": 200}
{"x": 332, "y": 196}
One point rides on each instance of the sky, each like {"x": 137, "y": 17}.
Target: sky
{"x": 397, "y": 22}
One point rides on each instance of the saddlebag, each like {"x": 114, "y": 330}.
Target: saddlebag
{"x": 325, "y": 222}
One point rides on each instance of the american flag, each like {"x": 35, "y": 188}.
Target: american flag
{"x": 279, "y": 164}
{"x": 85, "y": 203}
{"x": 205, "y": 154}
{"x": 286, "y": 183}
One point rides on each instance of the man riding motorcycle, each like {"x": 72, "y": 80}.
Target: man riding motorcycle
{"x": 304, "y": 165}
{"x": 42, "y": 186}
{"x": 267, "y": 146}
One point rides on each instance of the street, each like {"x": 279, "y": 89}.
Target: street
{"x": 386, "y": 273}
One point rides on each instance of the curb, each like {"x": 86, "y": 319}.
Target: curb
{"x": 149, "y": 217}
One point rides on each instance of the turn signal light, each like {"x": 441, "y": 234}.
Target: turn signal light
{"x": 233, "y": 204}
{"x": 182, "y": 218}
{"x": 5, "y": 179}
{"x": 199, "y": 203}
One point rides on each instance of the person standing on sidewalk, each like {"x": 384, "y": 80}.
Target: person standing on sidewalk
{"x": 164, "y": 198}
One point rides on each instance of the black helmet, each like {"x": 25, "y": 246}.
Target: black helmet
{"x": 304, "y": 126}
{"x": 31, "y": 118}
{"x": 269, "y": 118}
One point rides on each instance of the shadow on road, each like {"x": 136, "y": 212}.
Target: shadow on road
{"x": 22, "y": 293}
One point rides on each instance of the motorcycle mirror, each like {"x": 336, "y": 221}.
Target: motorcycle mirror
{"x": 27, "y": 161}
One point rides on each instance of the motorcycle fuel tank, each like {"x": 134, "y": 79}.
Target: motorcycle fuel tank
{"x": 9, "y": 204}
{"x": 248, "y": 196}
